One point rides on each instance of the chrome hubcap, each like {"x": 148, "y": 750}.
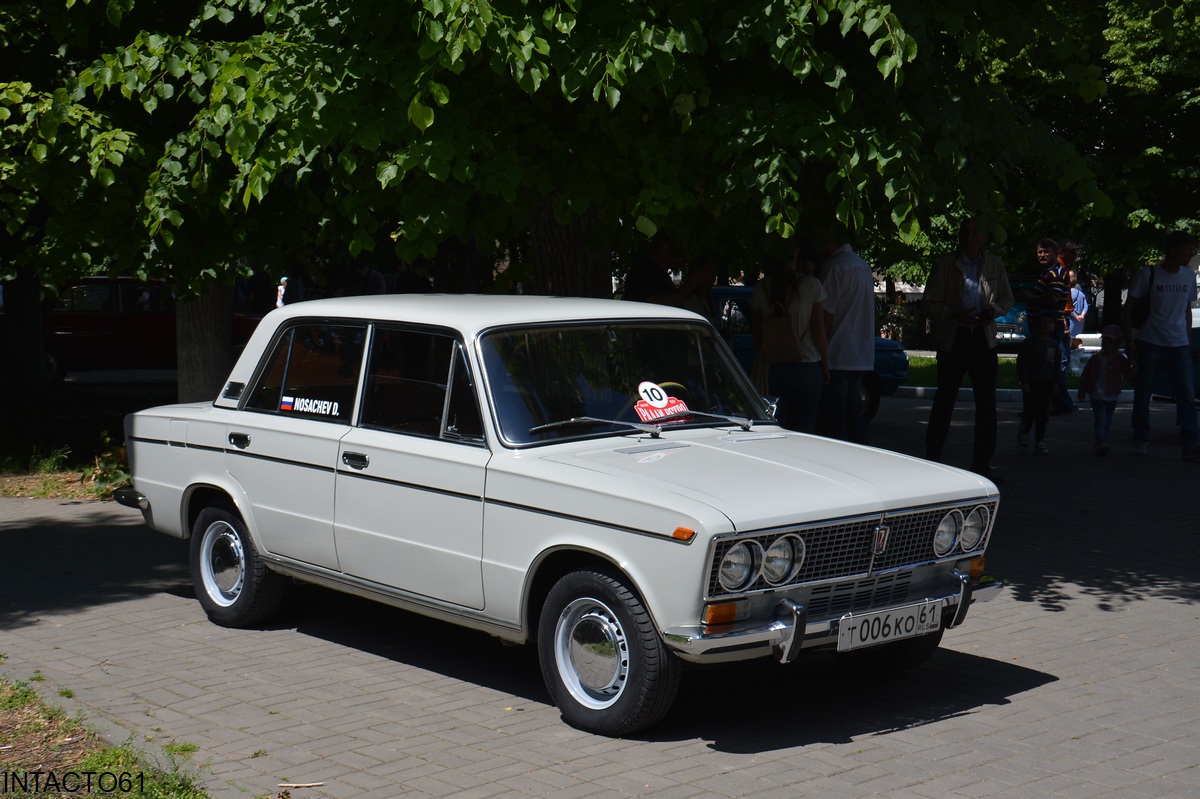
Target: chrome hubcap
{"x": 222, "y": 563}
{"x": 592, "y": 653}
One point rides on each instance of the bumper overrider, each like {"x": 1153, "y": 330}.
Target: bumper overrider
{"x": 790, "y": 630}
{"x": 131, "y": 498}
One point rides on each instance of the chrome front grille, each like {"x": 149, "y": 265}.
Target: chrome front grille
{"x": 832, "y": 599}
{"x": 844, "y": 548}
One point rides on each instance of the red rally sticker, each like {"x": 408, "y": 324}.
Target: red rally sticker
{"x": 655, "y": 403}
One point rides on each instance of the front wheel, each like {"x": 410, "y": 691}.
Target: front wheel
{"x": 605, "y": 666}
{"x": 234, "y": 586}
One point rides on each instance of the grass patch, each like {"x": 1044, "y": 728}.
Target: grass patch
{"x": 38, "y": 738}
{"x": 45, "y": 474}
{"x": 922, "y": 371}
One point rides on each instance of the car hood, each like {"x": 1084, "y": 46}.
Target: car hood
{"x": 764, "y": 478}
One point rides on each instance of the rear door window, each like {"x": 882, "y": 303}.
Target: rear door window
{"x": 312, "y": 373}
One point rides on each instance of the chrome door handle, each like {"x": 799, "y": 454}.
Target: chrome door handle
{"x": 355, "y": 460}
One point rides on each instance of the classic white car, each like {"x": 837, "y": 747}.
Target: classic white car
{"x": 595, "y": 476}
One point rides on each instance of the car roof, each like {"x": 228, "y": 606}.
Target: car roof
{"x": 471, "y": 313}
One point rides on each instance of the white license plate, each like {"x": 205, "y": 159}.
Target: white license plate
{"x": 868, "y": 629}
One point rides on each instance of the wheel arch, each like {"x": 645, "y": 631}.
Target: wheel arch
{"x": 552, "y": 566}
{"x": 206, "y": 495}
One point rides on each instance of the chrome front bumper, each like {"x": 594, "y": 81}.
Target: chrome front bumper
{"x": 790, "y": 630}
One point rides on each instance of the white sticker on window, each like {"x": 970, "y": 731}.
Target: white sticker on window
{"x": 306, "y": 405}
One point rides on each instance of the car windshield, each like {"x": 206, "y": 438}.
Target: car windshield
{"x": 570, "y": 381}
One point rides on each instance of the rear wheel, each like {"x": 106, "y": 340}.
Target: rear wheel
{"x": 605, "y": 665}
{"x": 233, "y": 585}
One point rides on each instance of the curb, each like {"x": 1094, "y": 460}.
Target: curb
{"x": 1002, "y": 394}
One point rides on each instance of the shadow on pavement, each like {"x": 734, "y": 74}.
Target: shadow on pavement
{"x": 1122, "y": 528}
{"x": 761, "y": 706}
{"x": 85, "y": 555}
{"x": 815, "y": 700}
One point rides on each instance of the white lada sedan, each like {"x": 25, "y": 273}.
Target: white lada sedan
{"x": 595, "y": 477}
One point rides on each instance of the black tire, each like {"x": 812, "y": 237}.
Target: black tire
{"x": 234, "y": 586}
{"x": 871, "y": 391}
{"x": 605, "y": 665}
{"x": 895, "y": 658}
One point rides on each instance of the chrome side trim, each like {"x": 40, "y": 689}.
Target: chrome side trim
{"x": 455, "y": 614}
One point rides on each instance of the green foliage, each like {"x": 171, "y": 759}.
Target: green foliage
{"x": 261, "y": 128}
{"x": 17, "y": 695}
{"x": 112, "y": 467}
{"x": 41, "y": 462}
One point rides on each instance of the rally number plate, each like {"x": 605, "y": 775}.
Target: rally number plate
{"x": 868, "y": 629}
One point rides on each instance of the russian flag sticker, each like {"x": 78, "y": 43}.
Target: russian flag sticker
{"x": 286, "y": 403}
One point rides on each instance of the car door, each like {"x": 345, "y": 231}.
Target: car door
{"x": 410, "y": 476}
{"x": 284, "y": 443}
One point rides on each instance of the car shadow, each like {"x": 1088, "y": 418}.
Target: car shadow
{"x": 80, "y": 562}
{"x": 761, "y": 706}
{"x": 745, "y": 707}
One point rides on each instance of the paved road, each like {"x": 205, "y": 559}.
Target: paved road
{"x": 1081, "y": 680}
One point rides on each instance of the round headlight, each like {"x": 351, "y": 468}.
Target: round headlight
{"x": 780, "y": 561}
{"x": 974, "y": 526}
{"x": 738, "y": 567}
{"x": 947, "y": 533}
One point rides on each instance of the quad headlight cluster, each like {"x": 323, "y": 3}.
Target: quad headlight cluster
{"x": 959, "y": 531}
{"x": 746, "y": 560}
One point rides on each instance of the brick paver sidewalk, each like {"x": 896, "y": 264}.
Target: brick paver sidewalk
{"x": 1081, "y": 680}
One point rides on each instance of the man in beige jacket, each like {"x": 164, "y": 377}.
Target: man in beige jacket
{"x": 966, "y": 291}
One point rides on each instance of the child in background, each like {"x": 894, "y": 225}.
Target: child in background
{"x": 1101, "y": 380}
{"x": 1038, "y": 364}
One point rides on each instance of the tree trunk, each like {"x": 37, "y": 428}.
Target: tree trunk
{"x": 25, "y": 375}
{"x": 571, "y": 260}
{"x": 204, "y": 329}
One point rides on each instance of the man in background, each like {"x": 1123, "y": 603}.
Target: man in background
{"x": 966, "y": 291}
{"x": 850, "y": 326}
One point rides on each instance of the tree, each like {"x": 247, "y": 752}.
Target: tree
{"x": 61, "y": 184}
{"x": 562, "y": 133}
{"x": 453, "y": 120}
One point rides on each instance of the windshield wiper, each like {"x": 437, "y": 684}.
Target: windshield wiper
{"x": 737, "y": 420}
{"x": 653, "y": 430}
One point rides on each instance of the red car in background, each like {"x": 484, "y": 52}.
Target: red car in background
{"x": 117, "y": 323}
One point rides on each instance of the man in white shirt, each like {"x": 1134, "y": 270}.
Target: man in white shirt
{"x": 850, "y": 323}
{"x": 1164, "y": 341}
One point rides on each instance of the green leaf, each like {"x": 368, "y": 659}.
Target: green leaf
{"x": 420, "y": 115}
{"x": 255, "y": 185}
